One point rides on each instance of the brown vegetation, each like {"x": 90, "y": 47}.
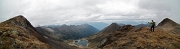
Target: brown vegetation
{"x": 17, "y": 33}
{"x": 166, "y": 36}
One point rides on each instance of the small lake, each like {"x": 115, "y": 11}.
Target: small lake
{"x": 81, "y": 42}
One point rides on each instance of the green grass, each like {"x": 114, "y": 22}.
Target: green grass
{"x": 1, "y": 38}
{"x": 3, "y": 47}
{"x": 176, "y": 46}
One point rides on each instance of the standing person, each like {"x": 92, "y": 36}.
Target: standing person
{"x": 152, "y": 26}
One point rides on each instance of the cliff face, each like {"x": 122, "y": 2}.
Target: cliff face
{"x": 130, "y": 37}
{"x": 18, "y": 32}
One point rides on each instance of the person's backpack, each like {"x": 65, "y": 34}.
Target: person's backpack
{"x": 154, "y": 23}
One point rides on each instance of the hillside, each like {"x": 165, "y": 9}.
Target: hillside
{"x": 18, "y": 33}
{"x": 130, "y": 37}
{"x": 94, "y": 39}
{"x": 68, "y": 32}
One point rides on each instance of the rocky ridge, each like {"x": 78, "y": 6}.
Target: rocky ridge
{"x": 130, "y": 37}
{"x": 18, "y": 32}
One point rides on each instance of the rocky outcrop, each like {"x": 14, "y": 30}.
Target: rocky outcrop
{"x": 126, "y": 28}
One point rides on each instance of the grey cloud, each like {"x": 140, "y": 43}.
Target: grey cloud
{"x": 155, "y": 5}
{"x": 44, "y": 12}
{"x": 162, "y": 8}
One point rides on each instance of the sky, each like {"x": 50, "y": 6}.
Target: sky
{"x": 47, "y": 12}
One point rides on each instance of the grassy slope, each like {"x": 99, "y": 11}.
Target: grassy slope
{"x": 144, "y": 39}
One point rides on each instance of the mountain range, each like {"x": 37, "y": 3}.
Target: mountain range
{"x": 66, "y": 32}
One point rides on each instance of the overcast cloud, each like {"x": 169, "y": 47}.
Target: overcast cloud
{"x": 45, "y": 12}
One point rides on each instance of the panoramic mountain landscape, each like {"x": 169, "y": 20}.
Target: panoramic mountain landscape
{"x": 18, "y": 33}
{"x": 89, "y": 24}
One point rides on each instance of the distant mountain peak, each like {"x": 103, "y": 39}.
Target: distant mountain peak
{"x": 114, "y": 24}
{"x": 167, "y": 22}
{"x": 64, "y": 25}
{"x": 111, "y": 28}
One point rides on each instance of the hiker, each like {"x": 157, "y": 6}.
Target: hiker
{"x": 152, "y": 25}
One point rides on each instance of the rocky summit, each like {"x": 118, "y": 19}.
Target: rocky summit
{"x": 18, "y": 33}
{"x": 168, "y": 22}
